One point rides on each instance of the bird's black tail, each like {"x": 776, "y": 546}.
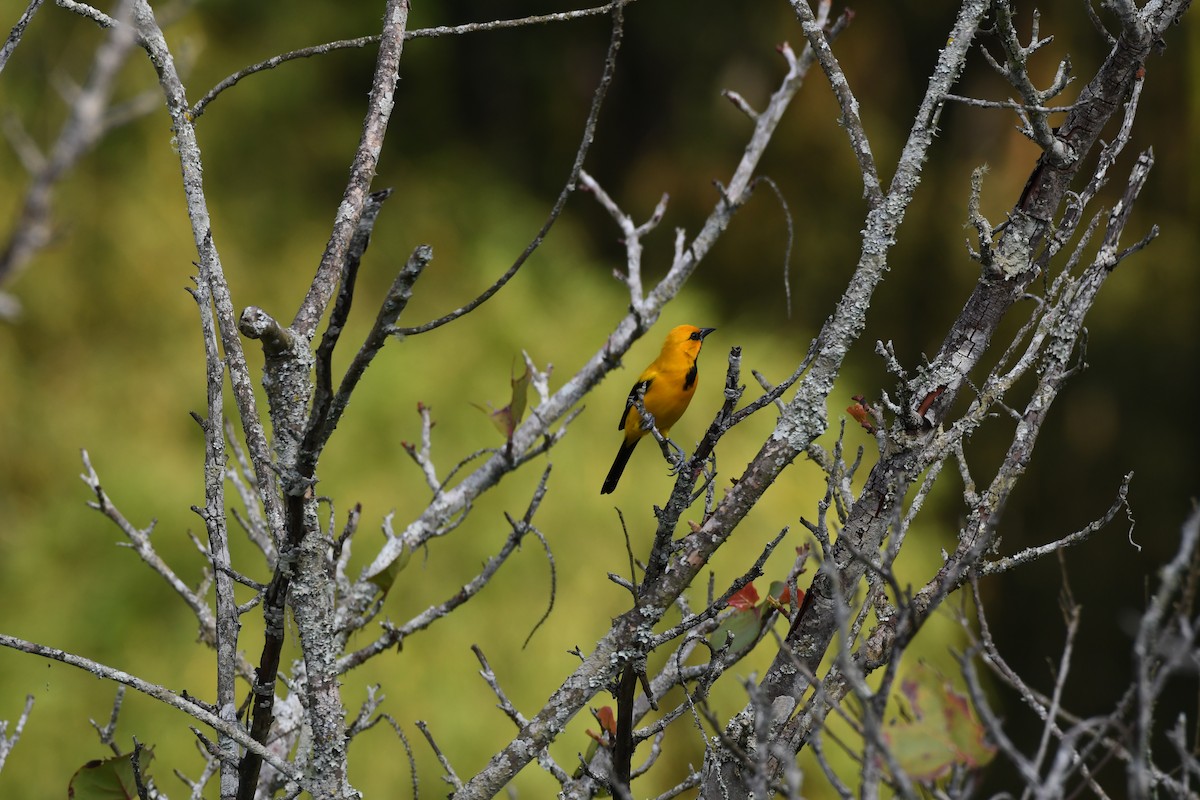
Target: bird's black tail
{"x": 618, "y": 466}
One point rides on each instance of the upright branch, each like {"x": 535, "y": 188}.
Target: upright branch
{"x": 851, "y": 120}
{"x": 322, "y": 422}
{"x": 7, "y": 743}
{"x": 1165, "y": 642}
{"x": 631, "y": 235}
{"x": 1015, "y": 70}
{"x": 215, "y": 522}
{"x": 323, "y": 392}
{"x": 287, "y": 377}
{"x": 1030, "y": 221}
{"x": 380, "y": 104}
{"x": 151, "y": 39}
{"x": 1051, "y": 349}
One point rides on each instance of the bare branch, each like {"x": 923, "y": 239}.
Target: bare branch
{"x": 1016, "y": 71}
{"x": 420, "y": 33}
{"x": 589, "y": 134}
{"x": 108, "y": 732}
{"x": 631, "y": 235}
{"x": 1078, "y": 537}
{"x": 851, "y": 121}
{"x": 14, "y": 38}
{"x": 975, "y": 102}
{"x": 395, "y": 635}
{"x": 450, "y": 777}
{"x": 90, "y": 12}
{"x": 139, "y": 541}
{"x": 188, "y": 706}
{"x": 362, "y": 172}
{"x": 327, "y": 410}
{"x": 314, "y": 436}
{"x": 454, "y": 501}
{"x": 1149, "y": 653}
{"x": 7, "y": 743}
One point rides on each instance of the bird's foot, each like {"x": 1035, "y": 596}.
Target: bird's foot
{"x": 675, "y": 457}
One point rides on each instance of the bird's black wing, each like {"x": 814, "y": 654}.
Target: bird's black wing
{"x": 640, "y": 386}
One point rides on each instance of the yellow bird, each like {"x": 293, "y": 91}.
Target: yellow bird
{"x": 668, "y": 385}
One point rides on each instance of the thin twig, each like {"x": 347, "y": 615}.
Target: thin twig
{"x": 14, "y": 38}
{"x": 7, "y": 743}
{"x": 163, "y": 695}
{"x": 450, "y": 777}
{"x": 851, "y": 121}
{"x": 395, "y": 635}
{"x": 589, "y": 134}
{"x": 420, "y": 33}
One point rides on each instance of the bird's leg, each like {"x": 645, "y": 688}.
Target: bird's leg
{"x": 639, "y": 405}
{"x": 672, "y": 452}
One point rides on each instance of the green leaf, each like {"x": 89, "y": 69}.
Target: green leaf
{"x": 387, "y": 576}
{"x": 608, "y": 730}
{"x": 940, "y": 729}
{"x": 109, "y": 778}
{"x": 744, "y": 624}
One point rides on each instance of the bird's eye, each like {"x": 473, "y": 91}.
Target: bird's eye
{"x": 695, "y": 336}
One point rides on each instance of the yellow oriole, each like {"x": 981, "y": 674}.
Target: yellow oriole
{"x": 667, "y": 386}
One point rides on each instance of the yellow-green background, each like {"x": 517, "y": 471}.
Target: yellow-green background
{"x": 107, "y": 354}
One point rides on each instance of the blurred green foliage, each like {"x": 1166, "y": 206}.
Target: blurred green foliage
{"x": 107, "y": 354}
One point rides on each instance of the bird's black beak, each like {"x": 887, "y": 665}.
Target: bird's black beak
{"x": 705, "y": 332}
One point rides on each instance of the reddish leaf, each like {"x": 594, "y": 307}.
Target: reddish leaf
{"x": 608, "y": 731}
{"x": 607, "y": 719}
{"x": 745, "y": 598}
{"x": 861, "y": 412}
